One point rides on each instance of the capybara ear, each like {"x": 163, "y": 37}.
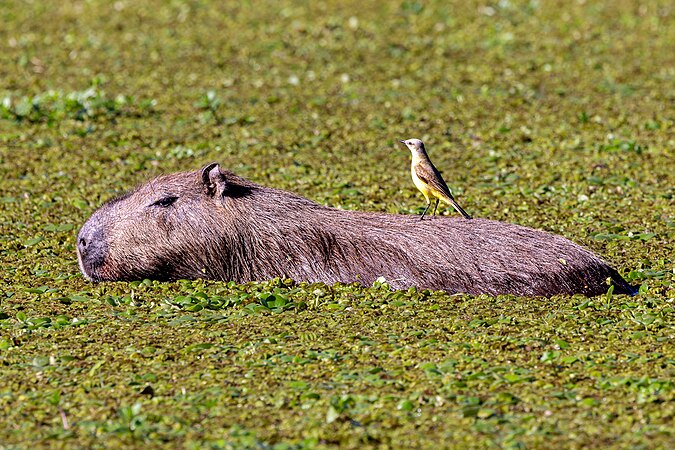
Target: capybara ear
{"x": 213, "y": 179}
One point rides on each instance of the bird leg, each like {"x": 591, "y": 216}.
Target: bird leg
{"x": 435, "y": 206}
{"x": 425, "y": 211}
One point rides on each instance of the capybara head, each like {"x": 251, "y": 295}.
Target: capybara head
{"x": 165, "y": 229}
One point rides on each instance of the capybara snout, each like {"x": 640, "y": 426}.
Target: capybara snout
{"x": 91, "y": 249}
{"x": 213, "y": 224}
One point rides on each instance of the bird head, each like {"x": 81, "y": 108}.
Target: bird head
{"x": 415, "y": 145}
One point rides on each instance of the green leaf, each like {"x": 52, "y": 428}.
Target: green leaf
{"x": 80, "y": 204}
{"x": 55, "y": 398}
{"x": 485, "y": 413}
{"x": 405, "y": 405}
{"x": 33, "y": 241}
{"x": 332, "y": 415}
{"x": 198, "y": 347}
{"x": 589, "y": 402}
{"x": 569, "y": 359}
{"x": 300, "y": 385}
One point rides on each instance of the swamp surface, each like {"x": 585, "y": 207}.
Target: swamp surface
{"x": 554, "y": 115}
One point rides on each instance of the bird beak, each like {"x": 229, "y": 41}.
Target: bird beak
{"x": 402, "y": 142}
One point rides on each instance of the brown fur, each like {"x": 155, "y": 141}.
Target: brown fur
{"x": 223, "y": 227}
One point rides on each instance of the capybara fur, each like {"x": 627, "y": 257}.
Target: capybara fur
{"x": 216, "y": 225}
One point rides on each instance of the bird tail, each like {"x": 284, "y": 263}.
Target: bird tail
{"x": 459, "y": 209}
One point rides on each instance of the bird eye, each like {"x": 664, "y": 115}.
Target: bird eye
{"x": 165, "y": 202}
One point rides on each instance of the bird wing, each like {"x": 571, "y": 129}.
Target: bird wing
{"x": 426, "y": 172}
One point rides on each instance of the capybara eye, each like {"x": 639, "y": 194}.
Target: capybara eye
{"x": 165, "y": 201}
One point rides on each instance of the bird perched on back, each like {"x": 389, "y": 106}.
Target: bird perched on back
{"x": 428, "y": 180}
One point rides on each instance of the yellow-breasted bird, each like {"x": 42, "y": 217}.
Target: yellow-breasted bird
{"x": 428, "y": 180}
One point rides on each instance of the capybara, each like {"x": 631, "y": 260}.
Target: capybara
{"x": 216, "y": 225}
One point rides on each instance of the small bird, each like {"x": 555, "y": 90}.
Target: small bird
{"x": 428, "y": 180}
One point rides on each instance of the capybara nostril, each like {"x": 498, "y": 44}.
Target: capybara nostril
{"x": 82, "y": 243}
